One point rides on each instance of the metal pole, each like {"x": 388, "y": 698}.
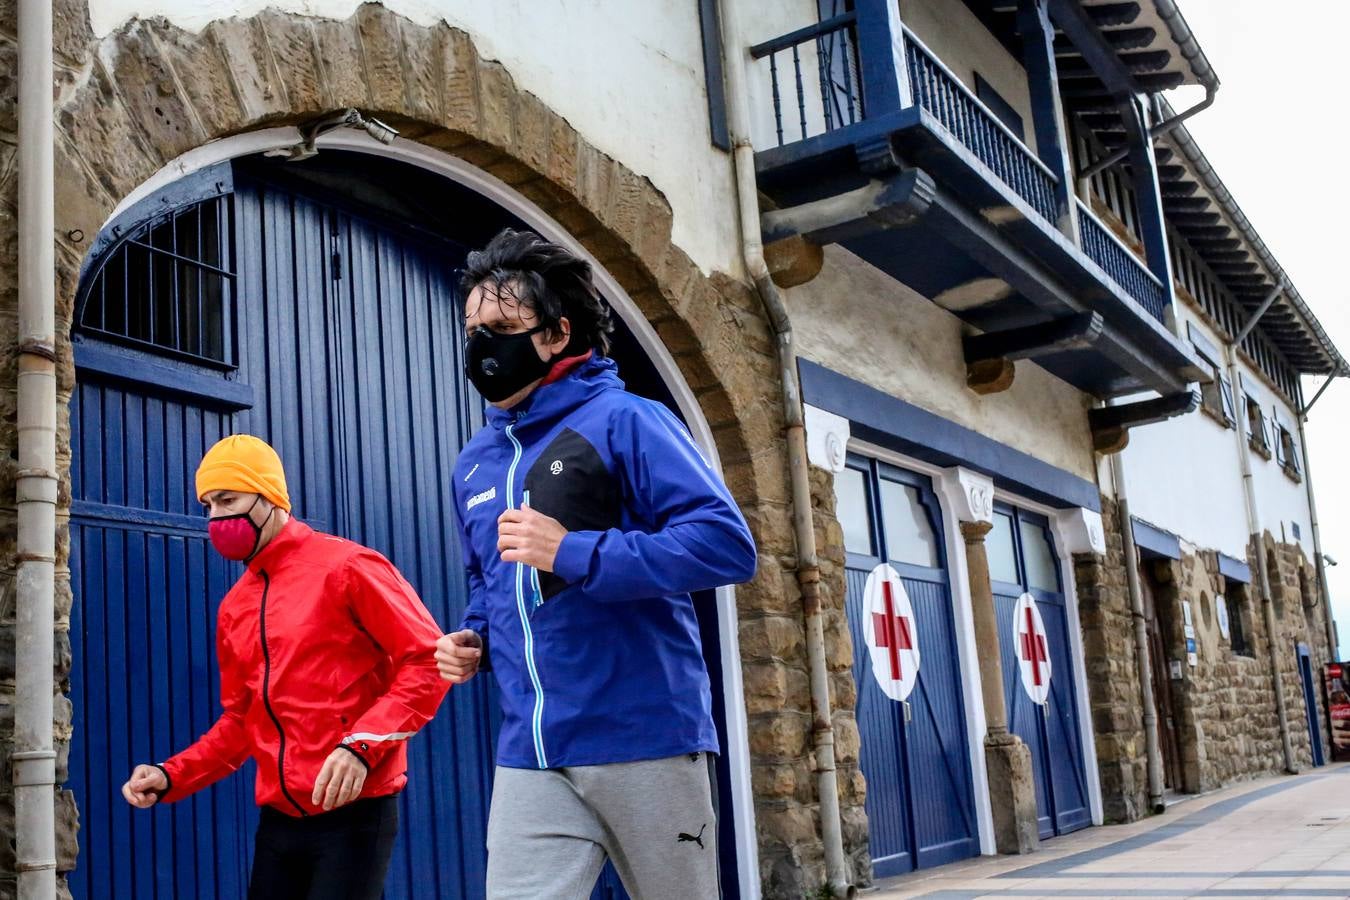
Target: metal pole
{"x": 1155, "y": 132}
{"x": 1303, "y": 413}
{"x": 34, "y": 758}
{"x": 1261, "y": 310}
{"x": 808, "y": 567}
{"x": 1322, "y": 585}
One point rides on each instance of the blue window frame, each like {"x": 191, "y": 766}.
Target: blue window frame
{"x": 167, "y": 286}
{"x": 888, "y": 514}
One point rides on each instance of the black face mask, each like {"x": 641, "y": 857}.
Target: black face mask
{"x": 500, "y": 365}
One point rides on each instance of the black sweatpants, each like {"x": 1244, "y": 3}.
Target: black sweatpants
{"x": 339, "y": 855}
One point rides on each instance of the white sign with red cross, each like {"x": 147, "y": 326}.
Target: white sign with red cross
{"x": 890, "y": 631}
{"x": 1033, "y": 653}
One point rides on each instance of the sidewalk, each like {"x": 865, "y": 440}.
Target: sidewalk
{"x": 1279, "y": 837}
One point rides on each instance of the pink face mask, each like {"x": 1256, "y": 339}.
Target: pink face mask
{"x": 236, "y": 537}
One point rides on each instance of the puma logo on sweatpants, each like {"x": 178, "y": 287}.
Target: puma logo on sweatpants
{"x": 692, "y": 839}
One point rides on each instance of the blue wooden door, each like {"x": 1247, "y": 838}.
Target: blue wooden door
{"x": 920, "y": 803}
{"x": 1310, "y": 705}
{"x": 248, "y": 299}
{"x": 334, "y": 337}
{"x": 1022, "y": 559}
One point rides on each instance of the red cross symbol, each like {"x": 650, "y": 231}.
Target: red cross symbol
{"x": 1033, "y": 648}
{"x": 892, "y": 631}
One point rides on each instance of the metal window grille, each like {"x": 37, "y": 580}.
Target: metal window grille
{"x": 168, "y": 286}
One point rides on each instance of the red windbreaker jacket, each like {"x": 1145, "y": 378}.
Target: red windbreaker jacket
{"x": 321, "y": 643}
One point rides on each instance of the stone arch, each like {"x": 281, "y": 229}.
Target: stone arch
{"x": 132, "y": 103}
{"x": 151, "y": 92}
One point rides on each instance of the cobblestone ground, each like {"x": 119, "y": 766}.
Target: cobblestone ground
{"x": 1281, "y": 837}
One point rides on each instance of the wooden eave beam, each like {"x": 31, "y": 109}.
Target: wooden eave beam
{"x": 1187, "y": 204}
{"x": 1073, "y": 332}
{"x": 1111, "y": 424}
{"x": 1108, "y": 15}
{"x": 1097, "y": 51}
{"x": 1118, "y": 39}
{"x": 1138, "y": 62}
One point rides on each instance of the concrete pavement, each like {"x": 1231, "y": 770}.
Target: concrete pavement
{"x": 1283, "y": 837}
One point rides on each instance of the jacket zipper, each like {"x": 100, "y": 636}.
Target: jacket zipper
{"x": 537, "y": 725}
{"x": 267, "y": 699}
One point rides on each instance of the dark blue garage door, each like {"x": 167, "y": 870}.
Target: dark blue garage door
{"x": 920, "y": 805}
{"x": 1022, "y": 559}
{"x": 250, "y": 299}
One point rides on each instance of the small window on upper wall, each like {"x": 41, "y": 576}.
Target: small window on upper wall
{"x": 1288, "y": 453}
{"x": 1258, "y": 430}
{"x": 1217, "y": 397}
{"x": 168, "y": 286}
{"x": 1001, "y": 550}
{"x": 853, "y": 508}
{"x": 999, "y": 107}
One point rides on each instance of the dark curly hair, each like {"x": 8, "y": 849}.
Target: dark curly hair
{"x": 549, "y": 280}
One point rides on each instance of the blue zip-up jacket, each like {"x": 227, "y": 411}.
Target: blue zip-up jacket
{"x": 598, "y": 661}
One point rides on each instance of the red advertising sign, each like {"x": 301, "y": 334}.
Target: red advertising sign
{"x": 1338, "y": 709}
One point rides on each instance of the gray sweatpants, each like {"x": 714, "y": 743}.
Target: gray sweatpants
{"x": 550, "y": 830}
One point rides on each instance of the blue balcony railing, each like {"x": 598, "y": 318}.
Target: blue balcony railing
{"x": 823, "y": 91}
{"x": 968, "y": 120}
{"x": 831, "y": 48}
{"x": 1120, "y": 264}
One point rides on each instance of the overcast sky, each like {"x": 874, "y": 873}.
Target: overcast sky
{"x": 1277, "y": 136}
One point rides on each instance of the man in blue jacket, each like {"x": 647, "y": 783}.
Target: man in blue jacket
{"x": 587, "y": 516}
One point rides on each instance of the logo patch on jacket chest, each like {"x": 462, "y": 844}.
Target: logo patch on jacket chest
{"x": 571, "y": 483}
{"x": 481, "y": 497}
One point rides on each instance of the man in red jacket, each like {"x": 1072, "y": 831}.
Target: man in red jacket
{"x": 326, "y": 669}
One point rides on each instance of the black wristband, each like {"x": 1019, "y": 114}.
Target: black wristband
{"x": 357, "y": 754}
{"x": 168, "y": 782}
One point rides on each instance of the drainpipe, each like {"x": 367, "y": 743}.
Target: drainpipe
{"x": 1142, "y": 650}
{"x": 1155, "y": 132}
{"x": 34, "y": 758}
{"x": 1254, "y": 526}
{"x": 808, "y": 566}
{"x": 1316, "y": 532}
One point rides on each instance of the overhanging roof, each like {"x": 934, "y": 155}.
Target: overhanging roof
{"x": 1150, "y": 38}
{"x": 1241, "y": 258}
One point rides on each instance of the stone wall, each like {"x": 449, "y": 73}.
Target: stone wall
{"x": 1224, "y": 711}
{"x": 1300, "y": 612}
{"x": 1224, "y": 708}
{"x": 1112, "y": 666}
{"x": 779, "y": 708}
{"x": 130, "y": 103}
{"x": 1227, "y": 723}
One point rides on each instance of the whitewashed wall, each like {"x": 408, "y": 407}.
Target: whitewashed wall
{"x": 627, "y": 74}
{"x": 1185, "y": 476}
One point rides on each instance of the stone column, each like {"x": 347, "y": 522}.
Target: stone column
{"x": 1012, "y": 788}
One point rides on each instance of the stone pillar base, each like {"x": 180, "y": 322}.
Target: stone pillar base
{"x": 1012, "y": 794}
